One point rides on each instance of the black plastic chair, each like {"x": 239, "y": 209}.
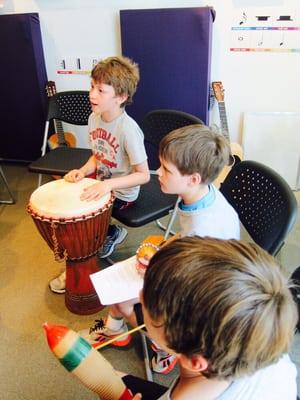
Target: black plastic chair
{"x": 157, "y": 123}
{"x": 11, "y": 199}
{"x": 265, "y": 203}
{"x": 152, "y": 204}
{"x": 72, "y": 107}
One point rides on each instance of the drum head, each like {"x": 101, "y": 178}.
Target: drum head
{"x": 61, "y": 199}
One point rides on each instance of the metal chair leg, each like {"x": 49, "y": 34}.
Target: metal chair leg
{"x": 43, "y": 149}
{"x": 12, "y": 200}
{"x": 40, "y": 180}
{"x": 163, "y": 227}
{"x": 173, "y": 214}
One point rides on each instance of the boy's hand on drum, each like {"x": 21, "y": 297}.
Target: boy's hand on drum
{"x": 74, "y": 176}
{"x": 96, "y": 191}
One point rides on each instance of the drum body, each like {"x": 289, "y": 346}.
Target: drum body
{"x": 74, "y": 230}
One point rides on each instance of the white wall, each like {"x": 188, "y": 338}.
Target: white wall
{"x": 253, "y": 81}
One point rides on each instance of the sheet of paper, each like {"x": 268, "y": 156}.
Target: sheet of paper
{"x": 117, "y": 283}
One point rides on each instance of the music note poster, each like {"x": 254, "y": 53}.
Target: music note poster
{"x": 264, "y": 31}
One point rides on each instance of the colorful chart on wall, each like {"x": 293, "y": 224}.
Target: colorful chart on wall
{"x": 266, "y": 30}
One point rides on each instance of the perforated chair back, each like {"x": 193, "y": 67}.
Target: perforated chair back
{"x": 264, "y": 202}
{"x": 70, "y": 106}
{"x": 157, "y": 123}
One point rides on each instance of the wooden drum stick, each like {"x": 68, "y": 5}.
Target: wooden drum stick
{"x": 101, "y": 345}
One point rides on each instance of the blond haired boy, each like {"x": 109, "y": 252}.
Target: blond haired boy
{"x": 119, "y": 159}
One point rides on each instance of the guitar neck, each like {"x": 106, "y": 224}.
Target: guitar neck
{"x": 60, "y": 132}
{"x": 223, "y": 120}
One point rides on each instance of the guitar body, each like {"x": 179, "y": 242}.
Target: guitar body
{"x": 236, "y": 149}
{"x": 69, "y": 138}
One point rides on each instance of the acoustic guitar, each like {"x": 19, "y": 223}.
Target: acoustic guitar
{"x": 236, "y": 149}
{"x": 60, "y": 138}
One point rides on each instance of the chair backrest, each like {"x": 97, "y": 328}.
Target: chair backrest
{"x": 264, "y": 202}
{"x": 157, "y": 123}
{"x": 70, "y": 106}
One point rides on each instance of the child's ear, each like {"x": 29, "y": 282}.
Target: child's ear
{"x": 195, "y": 363}
{"x": 195, "y": 178}
{"x": 122, "y": 97}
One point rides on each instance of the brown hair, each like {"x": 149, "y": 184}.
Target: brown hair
{"x": 225, "y": 300}
{"x": 119, "y": 72}
{"x": 196, "y": 148}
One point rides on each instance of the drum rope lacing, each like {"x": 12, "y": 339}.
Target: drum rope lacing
{"x": 54, "y": 224}
{"x": 56, "y": 251}
{"x": 65, "y": 256}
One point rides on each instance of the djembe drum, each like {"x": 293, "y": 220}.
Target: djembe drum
{"x": 75, "y": 230}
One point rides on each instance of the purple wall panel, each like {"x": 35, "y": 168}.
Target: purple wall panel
{"x": 23, "y": 100}
{"x": 173, "y": 50}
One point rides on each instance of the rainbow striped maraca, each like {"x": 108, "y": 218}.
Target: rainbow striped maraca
{"x": 80, "y": 358}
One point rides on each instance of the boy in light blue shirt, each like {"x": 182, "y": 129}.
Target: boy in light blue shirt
{"x": 191, "y": 158}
